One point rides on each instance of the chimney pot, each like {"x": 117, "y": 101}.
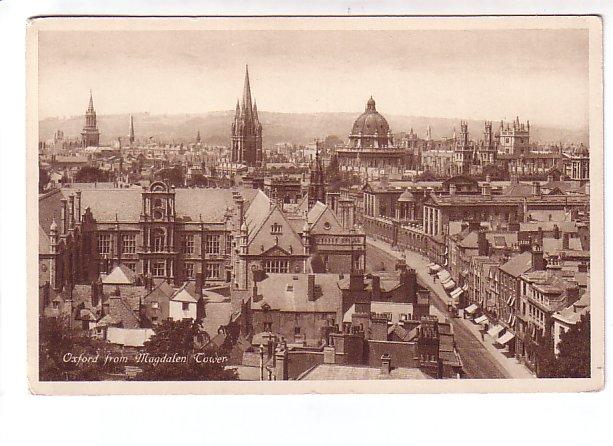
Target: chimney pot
{"x": 386, "y": 364}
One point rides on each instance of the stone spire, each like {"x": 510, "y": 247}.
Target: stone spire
{"x": 256, "y": 119}
{"x": 90, "y": 108}
{"x": 247, "y": 105}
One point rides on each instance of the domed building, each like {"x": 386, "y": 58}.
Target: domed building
{"x": 371, "y": 129}
{"x": 371, "y": 148}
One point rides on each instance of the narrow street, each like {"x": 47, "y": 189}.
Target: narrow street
{"x": 478, "y": 362}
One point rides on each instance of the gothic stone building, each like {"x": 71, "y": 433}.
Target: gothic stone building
{"x": 246, "y": 131}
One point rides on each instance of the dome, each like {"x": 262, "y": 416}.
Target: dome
{"x": 370, "y": 122}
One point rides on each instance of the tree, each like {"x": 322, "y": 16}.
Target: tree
{"x": 332, "y": 141}
{"x": 426, "y": 176}
{"x": 183, "y": 339}
{"x": 172, "y": 176}
{"x": 59, "y": 344}
{"x": 333, "y": 174}
{"x": 495, "y": 172}
{"x": 90, "y": 174}
{"x": 43, "y": 179}
{"x": 574, "y": 358}
{"x": 547, "y": 364}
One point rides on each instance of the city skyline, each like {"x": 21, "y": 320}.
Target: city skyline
{"x": 494, "y": 75}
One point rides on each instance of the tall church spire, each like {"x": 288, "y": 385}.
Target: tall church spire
{"x": 90, "y": 108}
{"x": 247, "y": 106}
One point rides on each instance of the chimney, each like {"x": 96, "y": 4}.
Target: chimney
{"x": 199, "y": 284}
{"x": 556, "y": 232}
{"x": 386, "y": 364}
{"x": 582, "y": 267}
{"x": 514, "y": 179}
{"x": 536, "y": 188}
{"x": 482, "y": 244}
{"x": 329, "y": 355}
{"x": 356, "y": 282}
{"x": 565, "y": 240}
{"x": 281, "y": 359}
{"x": 408, "y": 277}
{"x": 538, "y": 262}
{"x": 539, "y": 235}
{"x": 452, "y": 189}
{"x": 311, "y": 287}
{"x": 95, "y": 293}
{"x": 376, "y": 288}
{"x": 488, "y": 178}
{"x": 486, "y": 189}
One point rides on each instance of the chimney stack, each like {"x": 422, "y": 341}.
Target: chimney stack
{"x": 538, "y": 262}
{"x": 565, "y": 240}
{"x": 376, "y": 288}
{"x": 536, "y": 188}
{"x": 482, "y": 244}
{"x": 281, "y": 358}
{"x": 556, "y": 232}
{"x": 386, "y": 364}
{"x": 452, "y": 189}
{"x": 311, "y": 287}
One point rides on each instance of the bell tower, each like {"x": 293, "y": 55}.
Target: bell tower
{"x": 90, "y": 136}
{"x": 159, "y": 251}
{"x": 317, "y": 181}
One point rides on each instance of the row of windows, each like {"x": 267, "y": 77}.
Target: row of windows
{"x": 128, "y": 243}
{"x": 276, "y": 266}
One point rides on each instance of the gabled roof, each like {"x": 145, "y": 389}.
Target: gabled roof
{"x": 518, "y": 265}
{"x": 257, "y": 213}
{"x": 316, "y": 212}
{"x": 120, "y": 275}
{"x": 187, "y": 293}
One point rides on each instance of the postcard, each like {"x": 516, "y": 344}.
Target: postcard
{"x": 315, "y": 205}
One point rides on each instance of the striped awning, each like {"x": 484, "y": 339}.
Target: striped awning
{"x": 505, "y": 338}
{"x": 482, "y": 319}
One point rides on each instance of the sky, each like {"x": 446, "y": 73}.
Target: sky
{"x": 540, "y": 75}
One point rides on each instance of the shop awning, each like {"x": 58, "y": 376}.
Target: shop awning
{"x": 449, "y": 285}
{"x": 471, "y": 309}
{"x": 505, "y": 338}
{"x": 482, "y": 320}
{"x": 465, "y": 287}
{"x": 456, "y": 292}
{"x": 443, "y": 275}
{"x": 495, "y": 330}
{"x": 433, "y": 268}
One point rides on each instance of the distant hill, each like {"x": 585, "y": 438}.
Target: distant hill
{"x": 294, "y": 128}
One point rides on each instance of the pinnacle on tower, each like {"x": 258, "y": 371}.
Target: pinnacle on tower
{"x": 255, "y": 111}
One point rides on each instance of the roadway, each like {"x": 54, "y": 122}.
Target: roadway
{"x": 477, "y": 362}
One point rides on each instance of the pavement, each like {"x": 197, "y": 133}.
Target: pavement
{"x": 480, "y": 357}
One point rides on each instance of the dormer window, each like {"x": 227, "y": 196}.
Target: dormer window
{"x": 276, "y": 228}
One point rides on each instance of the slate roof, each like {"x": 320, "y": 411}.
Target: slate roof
{"x": 351, "y": 372}
{"x": 518, "y": 264}
{"x": 273, "y": 291}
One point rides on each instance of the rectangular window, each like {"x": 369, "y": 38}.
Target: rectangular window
{"x": 188, "y": 244}
{"x": 276, "y": 266}
{"x": 131, "y": 265}
{"x": 212, "y": 244}
{"x": 128, "y": 243}
{"x": 158, "y": 269}
{"x": 296, "y": 330}
{"x": 276, "y": 228}
{"x": 189, "y": 270}
{"x": 267, "y": 326}
{"x": 185, "y": 306}
{"x": 213, "y": 270}
{"x": 104, "y": 243}
{"x": 228, "y": 243}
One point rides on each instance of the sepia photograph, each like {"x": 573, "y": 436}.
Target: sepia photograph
{"x": 295, "y": 205}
